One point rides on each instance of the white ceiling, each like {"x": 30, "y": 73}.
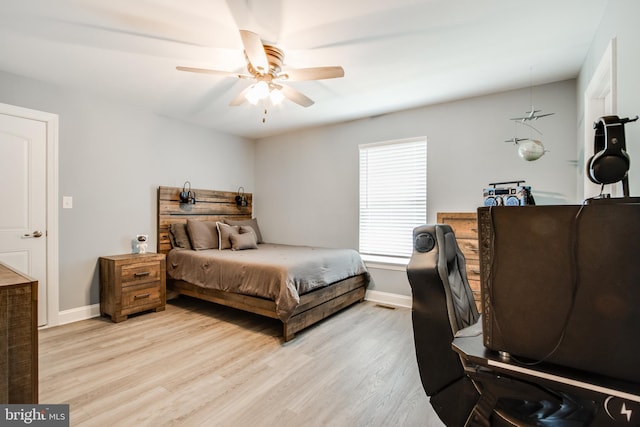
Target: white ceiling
{"x": 396, "y": 54}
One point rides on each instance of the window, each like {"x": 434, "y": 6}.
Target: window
{"x": 393, "y": 195}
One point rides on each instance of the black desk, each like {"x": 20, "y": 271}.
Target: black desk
{"x": 616, "y": 402}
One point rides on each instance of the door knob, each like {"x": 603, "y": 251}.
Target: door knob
{"x": 35, "y": 234}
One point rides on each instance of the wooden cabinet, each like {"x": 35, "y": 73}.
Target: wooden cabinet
{"x": 465, "y": 227}
{"x": 132, "y": 283}
{"x": 18, "y": 337}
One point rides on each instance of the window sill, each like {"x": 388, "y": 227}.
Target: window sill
{"x": 385, "y": 262}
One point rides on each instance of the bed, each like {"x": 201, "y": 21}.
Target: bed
{"x": 297, "y": 285}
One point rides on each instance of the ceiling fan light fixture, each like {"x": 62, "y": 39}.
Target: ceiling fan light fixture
{"x": 276, "y": 96}
{"x": 257, "y": 92}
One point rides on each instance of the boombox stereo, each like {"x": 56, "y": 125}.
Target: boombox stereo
{"x": 518, "y": 195}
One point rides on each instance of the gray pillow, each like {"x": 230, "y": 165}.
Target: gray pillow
{"x": 243, "y": 241}
{"x": 179, "y": 236}
{"x": 203, "y": 234}
{"x": 224, "y": 232}
{"x": 247, "y": 229}
{"x": 253, "y": 223}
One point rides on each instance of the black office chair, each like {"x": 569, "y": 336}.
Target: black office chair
{"x": 443, "y": 305}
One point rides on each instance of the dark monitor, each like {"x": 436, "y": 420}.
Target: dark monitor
{"x": 561, "y": 284}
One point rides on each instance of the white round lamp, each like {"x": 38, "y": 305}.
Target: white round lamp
{"x": 531, "y": 149}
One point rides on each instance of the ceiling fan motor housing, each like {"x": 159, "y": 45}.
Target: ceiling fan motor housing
{"x": 275, "y": 58}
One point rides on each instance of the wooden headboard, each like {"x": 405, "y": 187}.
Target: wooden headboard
{"x": 211, "y": 205}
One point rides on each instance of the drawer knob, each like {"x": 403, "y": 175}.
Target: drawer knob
{"x": 143, "y": 274}
{"x": 142, "y": 296}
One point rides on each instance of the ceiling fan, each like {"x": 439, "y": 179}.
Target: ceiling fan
{"x": 264, "y": 66}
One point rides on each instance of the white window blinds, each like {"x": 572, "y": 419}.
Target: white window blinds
{"x": 393, "y": 195}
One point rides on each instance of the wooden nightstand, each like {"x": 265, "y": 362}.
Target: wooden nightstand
{"x": 132, "y": 283}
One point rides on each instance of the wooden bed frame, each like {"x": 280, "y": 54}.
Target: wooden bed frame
{"x": 214, "y": 205}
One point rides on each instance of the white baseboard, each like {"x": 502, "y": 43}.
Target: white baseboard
{"x": 387, "y": 298}
{"x": 79, "y": 313}
{"x": 89, "y": 311}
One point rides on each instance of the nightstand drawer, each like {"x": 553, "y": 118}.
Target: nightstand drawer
{"x": 134, "y": 297}
{"x": 135, "y": 274}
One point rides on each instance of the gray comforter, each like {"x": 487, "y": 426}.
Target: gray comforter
{"x": 280, "y": 273}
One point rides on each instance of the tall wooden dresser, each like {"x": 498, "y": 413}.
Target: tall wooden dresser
{"x": 465, "y": 227}
{"x": 18, "y": 337}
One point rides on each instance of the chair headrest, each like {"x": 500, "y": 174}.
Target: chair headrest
{"x": 450, "y": 247}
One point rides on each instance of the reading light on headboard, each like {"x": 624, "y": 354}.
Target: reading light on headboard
{"x": 186, "y": 195}
{"x": 241, "y": 199}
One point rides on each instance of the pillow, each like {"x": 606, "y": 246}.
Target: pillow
{"x": 243, "y": 241}
{"x": 179, "y": 236}
{"x": 203, "y": 234}
{"x": 171, "y": 238}
{"x": 253, "y": 223}
{"x": 224, "y": 232}
{"x": 247, "y": 229}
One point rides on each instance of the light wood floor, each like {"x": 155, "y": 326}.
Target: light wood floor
{"x": 200, "y": 364}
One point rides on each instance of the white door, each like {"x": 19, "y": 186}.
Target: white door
{"x": 23, "y": 195}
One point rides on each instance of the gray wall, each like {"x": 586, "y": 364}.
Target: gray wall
{"x": 112, "y": 158}
{"x": 620, "y": 21}
{"x": 307, "y": 181}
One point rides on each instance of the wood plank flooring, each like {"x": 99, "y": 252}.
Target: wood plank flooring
{"x": 201, "y": 364}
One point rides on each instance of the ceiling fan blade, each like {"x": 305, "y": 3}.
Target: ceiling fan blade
{"x": 315, "y": 73}
{"x": 213, "y": 72}
{"x": 295, "y": 96}
{"x": 254, "y": 49}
